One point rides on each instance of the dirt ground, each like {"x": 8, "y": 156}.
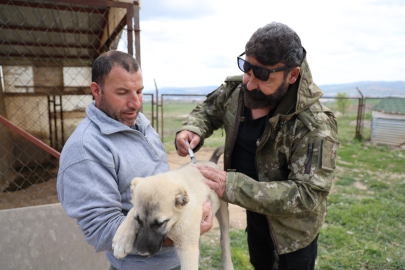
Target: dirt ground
{"x": 237, "y": 215}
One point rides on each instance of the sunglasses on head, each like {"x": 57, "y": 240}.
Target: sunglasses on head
{"x": 261, "y": 73}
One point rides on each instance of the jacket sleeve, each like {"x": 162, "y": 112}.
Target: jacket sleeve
{"x": 208, "y": 116}
{"x": 311, "y": 166}
{"x": 89, "y": 193}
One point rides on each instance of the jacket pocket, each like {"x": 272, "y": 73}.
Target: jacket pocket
{"x": 328, "y": 154}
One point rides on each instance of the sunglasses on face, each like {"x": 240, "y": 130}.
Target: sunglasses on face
{"x": 261, "y": 73}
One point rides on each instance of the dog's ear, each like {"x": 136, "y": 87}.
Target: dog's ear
{"x": 135, "y": 182}
{"x": 181, "y": 198}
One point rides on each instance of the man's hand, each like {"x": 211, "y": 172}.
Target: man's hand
{"x": 207, "y": 218}
{"x": 217, "y": 178}
{"x": 182, "y": 147}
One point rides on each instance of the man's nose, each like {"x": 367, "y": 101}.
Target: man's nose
{"x": 135, "y": 101}
{"x": 251, "y": 81}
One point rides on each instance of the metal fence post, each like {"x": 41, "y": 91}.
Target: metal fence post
{"x": 157, "y": 109}
{"x": 174, "y": 95}
{"x": 360, "y": 117}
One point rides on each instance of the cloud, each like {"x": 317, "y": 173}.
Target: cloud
{"x": 175, "y": 9}
{"x": 195, "y": 43}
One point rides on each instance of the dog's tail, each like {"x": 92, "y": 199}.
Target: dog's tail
{"x": 217, "y": 153}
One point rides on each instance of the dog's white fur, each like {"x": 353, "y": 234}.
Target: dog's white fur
{"x": 184, "y": 224}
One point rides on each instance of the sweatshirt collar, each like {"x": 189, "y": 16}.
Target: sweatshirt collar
{"x": 108, "y": 126}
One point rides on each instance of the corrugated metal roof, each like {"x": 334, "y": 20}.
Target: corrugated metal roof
{"x": 391, "y": 105}
{"x": 58, "y": 29}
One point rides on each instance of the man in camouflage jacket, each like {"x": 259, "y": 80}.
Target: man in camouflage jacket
{"x": 295, "y": 155}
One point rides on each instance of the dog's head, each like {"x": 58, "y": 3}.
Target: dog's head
{"x": 158, "y": 204}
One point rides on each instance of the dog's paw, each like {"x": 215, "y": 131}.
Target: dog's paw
{"x": 122, "y": 244}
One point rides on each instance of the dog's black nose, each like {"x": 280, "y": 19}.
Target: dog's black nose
{"x": 144, "y": 255}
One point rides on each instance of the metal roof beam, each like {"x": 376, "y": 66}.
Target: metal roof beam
{"x": 52, "y": 30}
{"x": 50, "y": 6}
{"x": 107, "y": 43}
{"x": 46, "y": 45}
{"x": 101, "y": 3}
{"x": 16, "y": 55}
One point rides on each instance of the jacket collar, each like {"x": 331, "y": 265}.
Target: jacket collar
{"x": 108, "y": 126}
{"x": 308, "y": 91}
{"x": 287, "y": 104}
{"x": 300, "y": 95}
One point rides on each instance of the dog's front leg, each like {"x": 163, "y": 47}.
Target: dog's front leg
{"x": 189, "y": 256}
{"x": 187, "y": 246}
{"x": 124, "y": 238}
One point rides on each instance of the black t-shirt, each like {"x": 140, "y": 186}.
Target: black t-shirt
{"x": 243, "y": 161}
{"x": 244, "y": 152}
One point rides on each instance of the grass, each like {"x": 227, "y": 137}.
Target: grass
{"x": 211, "y": 257}
{"x": 365, "y": 225}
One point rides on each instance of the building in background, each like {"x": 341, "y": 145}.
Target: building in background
{"x": 388, "y": 122}
{"x": 47, "y": 49}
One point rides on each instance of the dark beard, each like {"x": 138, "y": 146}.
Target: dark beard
{"x": 256, "y": 99}
{"x": 105, "y": 107}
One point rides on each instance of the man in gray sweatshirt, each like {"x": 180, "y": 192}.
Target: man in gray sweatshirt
{"x": 111, "y": 146}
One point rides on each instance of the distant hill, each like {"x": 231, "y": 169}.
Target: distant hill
{"x": 368, "y": 88}
{"x": 200, "y": 90}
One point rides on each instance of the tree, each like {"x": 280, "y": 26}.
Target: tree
{"x": 343, "y": 102}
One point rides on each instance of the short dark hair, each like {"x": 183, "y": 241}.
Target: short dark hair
{"x": 106, "y": 61}
{"x": 275, "y": 43}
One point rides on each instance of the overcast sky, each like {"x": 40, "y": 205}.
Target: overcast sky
{"x": 196, "y": 42}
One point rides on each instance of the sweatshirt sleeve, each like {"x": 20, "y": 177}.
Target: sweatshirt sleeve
{"x": 88, "y": 191}
{"x": 311, "y": 171}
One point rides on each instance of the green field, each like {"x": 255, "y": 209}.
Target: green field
{"x": 173, "y": 117}
{"x": 365, "y": 225}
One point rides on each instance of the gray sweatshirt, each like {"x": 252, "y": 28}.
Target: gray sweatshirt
{"x": 97, "y": 165}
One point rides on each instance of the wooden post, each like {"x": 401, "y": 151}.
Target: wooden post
{"x": 5, "y": 142}
{"x": 137, "y": 34}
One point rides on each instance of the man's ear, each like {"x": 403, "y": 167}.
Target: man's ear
{"x": 96, "y": 91}
{"x": 136, "y": 181}
{"x": 293, "y": 76}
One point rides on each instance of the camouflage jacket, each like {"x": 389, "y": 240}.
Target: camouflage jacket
{"x": 295, "y": 158}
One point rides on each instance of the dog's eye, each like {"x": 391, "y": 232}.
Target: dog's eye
{"x": 138, "y": 220}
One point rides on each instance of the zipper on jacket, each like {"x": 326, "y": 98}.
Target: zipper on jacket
{"x": 308, "y": 160}
{"x": 147, "y": 140}
{"x": 150, "y": 145}
{"x": 270, "y": 230}
{"x": 263, "y": 139}
{"x": 239, "y": 111}
{"x": 273, "y": 239}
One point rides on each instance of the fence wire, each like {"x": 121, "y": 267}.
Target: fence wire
{"x": 46, "y": 52}
{"x": 174, "y": 109}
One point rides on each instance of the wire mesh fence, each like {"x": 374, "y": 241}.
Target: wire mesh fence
{"x": 174, "y": 109}
{"x": 46, "y": 52}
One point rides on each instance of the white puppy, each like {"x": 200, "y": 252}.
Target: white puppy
{"x": 170, "y": 205}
